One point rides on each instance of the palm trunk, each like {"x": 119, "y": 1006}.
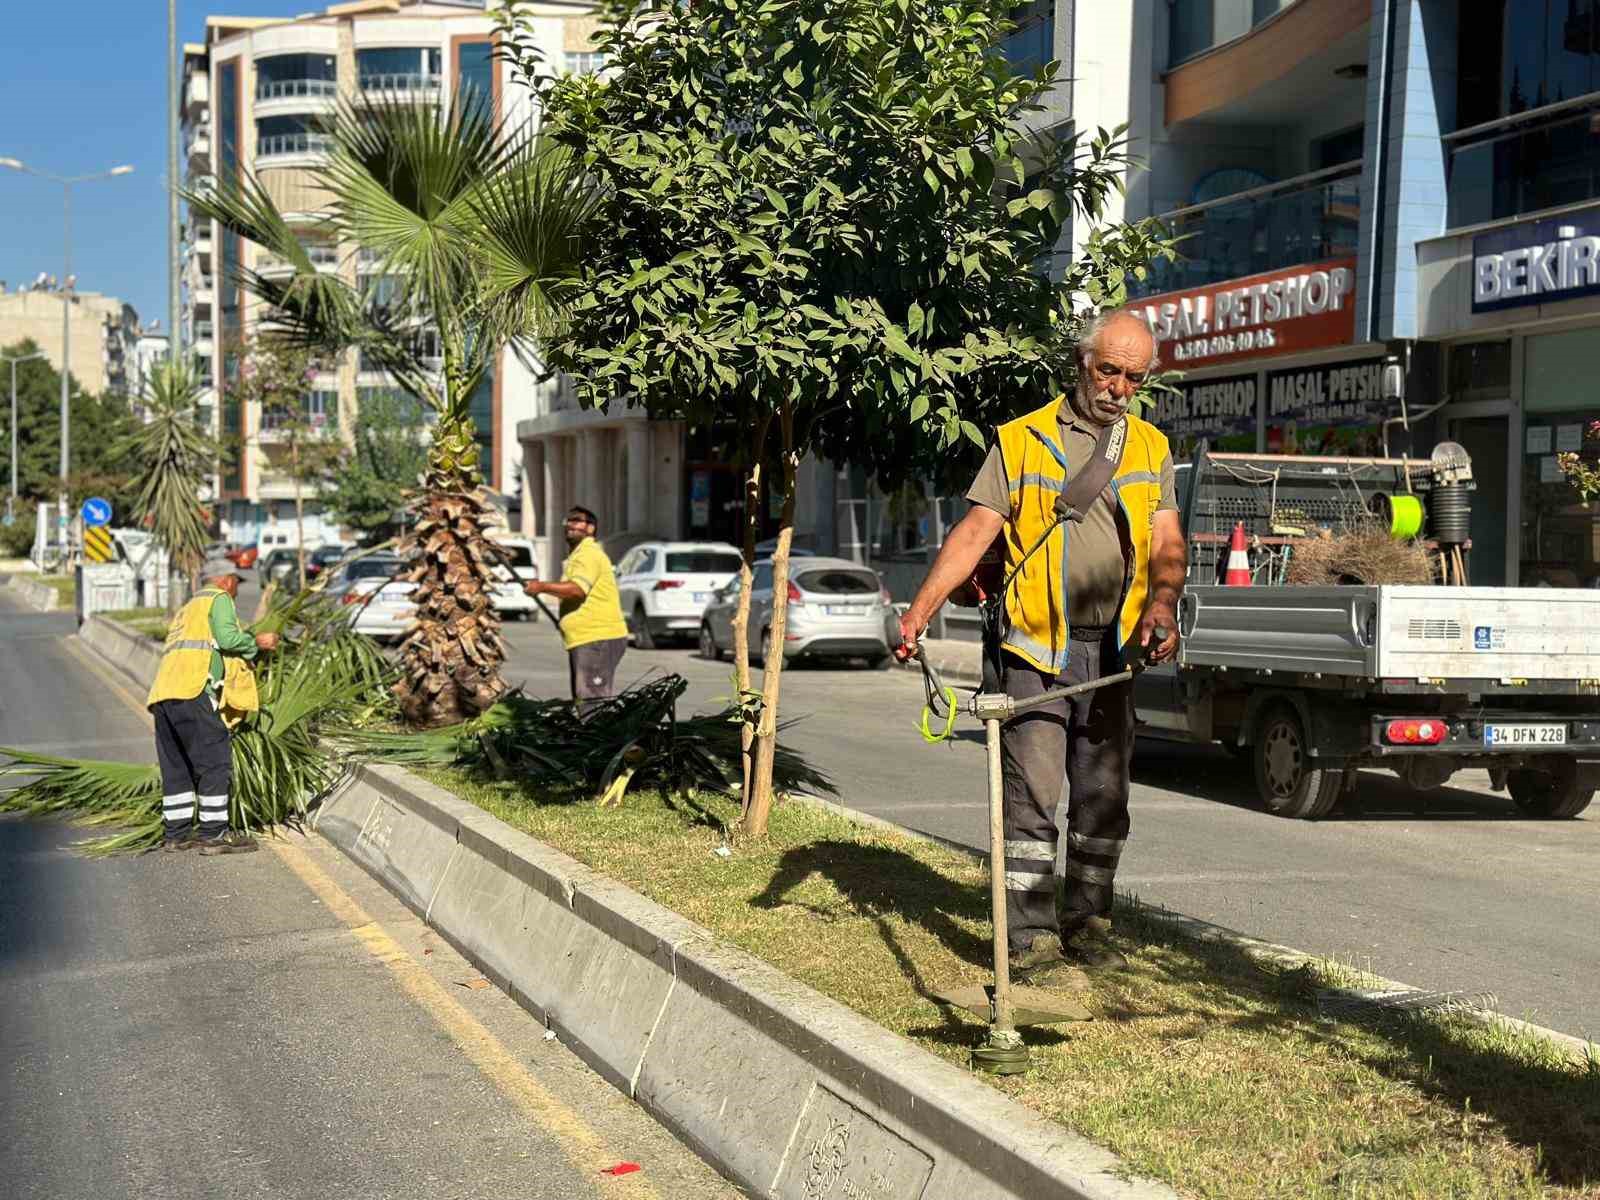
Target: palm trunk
{"x": 753, "y": 494}
{"x": 766, "y": 739}
{"x": 450, "y": 663}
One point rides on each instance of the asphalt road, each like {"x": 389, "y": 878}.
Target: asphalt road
{"x": 177, "y": 1027}
{"x": 1449, "y": 890}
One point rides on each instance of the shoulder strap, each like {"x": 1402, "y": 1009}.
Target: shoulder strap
{"x": 1085, "y": 487}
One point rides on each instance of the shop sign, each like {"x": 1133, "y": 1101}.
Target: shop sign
{"x": 1333, "y": 408}
{"x": 1221, "y": 411}
{"x": 1537, "y": 262}
{"x": 1307, "y": 307}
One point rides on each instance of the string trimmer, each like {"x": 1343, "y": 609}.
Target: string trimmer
{"x": 1004, "y": 1006}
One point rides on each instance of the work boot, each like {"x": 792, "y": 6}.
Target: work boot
{"x": 171, "y": 843}
{"x": 1042, "y": 966}
{"x": 1089, "y": 946}
{"x": 229, "y": 841}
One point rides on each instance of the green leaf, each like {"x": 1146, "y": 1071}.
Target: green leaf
{"x": 974, "y": 434}
{"x": 964, "y": 160}
{"x": 931, "y": 179}
{"x": 1040, "y": 198}
{"x": 914, "y": 317}
{"x": 919, "y": 406}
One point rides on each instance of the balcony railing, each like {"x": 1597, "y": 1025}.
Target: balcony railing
{"x": 322, "y": 257}
{"x": 280, "y": 144}
{"x": 289, "y": 89}
{"x": 1544, "y": 158}
{"x": 404, "y": 82}
{"x": 1300, "y": 220}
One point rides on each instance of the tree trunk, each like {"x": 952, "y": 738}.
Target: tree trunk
{"x": 766, "y": 739}
{"x": 299, "y": 507}
{"x": 753, "y": 498}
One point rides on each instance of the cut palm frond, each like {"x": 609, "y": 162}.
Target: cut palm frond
{"x": 635, "y": 739}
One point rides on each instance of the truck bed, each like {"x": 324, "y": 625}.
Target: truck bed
{"x": 1491, "y": 637}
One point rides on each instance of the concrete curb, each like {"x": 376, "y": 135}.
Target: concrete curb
{"x": 38, "y": 596}
{"x": 125, "y": 649}
{"x": 774, "y": 1083}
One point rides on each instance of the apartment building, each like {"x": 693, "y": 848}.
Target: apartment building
{"x": 254, "y": 97}
{"x": 104, "y": 332}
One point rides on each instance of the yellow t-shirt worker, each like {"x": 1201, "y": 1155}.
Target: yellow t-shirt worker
{"x": 592, "y": 626}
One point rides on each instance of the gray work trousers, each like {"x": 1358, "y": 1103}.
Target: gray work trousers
{"x": 592, "y": 671}
{"x": 1088, "y": 741}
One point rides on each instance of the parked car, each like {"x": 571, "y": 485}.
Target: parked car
{"x": 837, "y": 609}
{"x": 379, "y": 603}
{"x": 520, "y": 565}
{"x": 283, "y": 566}
{"x": 323, "y": 557}
{"x": 665, "y": 586}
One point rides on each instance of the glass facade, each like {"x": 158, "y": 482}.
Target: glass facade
{"x": 399, "y": 68}
{"x": 481, "y": 409}
{"x": 294, "y": 134}
{"x": 282, "y": 76}
{"x": 1032, "y": 43}
{"x": 475, "y": 72}
{"x": 1233, "y": 238}
{"x": 1191, "y": 29}
{"x": 1525, "y": 55}
{"x": 1560, "y": 543}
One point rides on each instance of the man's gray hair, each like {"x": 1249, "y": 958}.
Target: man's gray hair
{"x": 1089, "y": 335}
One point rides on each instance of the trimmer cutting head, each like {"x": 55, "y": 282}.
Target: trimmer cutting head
{"x": 1030, "y": 1006}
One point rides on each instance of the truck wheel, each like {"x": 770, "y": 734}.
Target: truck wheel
{"x": 1553, "y": 793}
{"x": 1286, "y": 779}
{"x": 642, "y": 637}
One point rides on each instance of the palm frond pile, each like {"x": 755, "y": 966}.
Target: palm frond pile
{"x": 329, "y": 677}
{"x": 633, "y": 739}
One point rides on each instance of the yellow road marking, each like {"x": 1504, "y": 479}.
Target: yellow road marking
{"x": 583, "y": 1147}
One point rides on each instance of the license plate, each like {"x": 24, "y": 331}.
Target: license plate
{"x": 1554, "y": 734}
{"x": 702, "y": 597}
{"x": 843, "y": 610}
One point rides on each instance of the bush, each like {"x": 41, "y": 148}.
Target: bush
{"x": 16, "y": 539}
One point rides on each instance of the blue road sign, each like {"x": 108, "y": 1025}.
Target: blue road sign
{"x": 96, "y": 511}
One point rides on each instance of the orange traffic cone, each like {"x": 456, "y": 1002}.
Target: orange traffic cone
{"x": 1238, "y": 559}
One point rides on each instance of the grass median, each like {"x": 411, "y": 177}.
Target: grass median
{"x": 152, "y": 622}
{"x": 66, "y": 589}
{"x": 1205, "y": 1068}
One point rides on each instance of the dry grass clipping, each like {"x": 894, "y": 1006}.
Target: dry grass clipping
{"x": 1364, "y": 554}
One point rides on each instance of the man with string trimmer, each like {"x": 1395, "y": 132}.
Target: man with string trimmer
{"x": 1078, "y": 499}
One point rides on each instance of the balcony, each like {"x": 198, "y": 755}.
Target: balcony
{"x": 293, "y": 89}
{"x": 323, "y": 258}
{"x": 197, "y": 93}
{"x": 404, "y": 83}
{"x": 1545, "y": 158}
{"x": 199, "y": 148}
{"x": 1305, "y": 219}
{"x": 293, "y": 145}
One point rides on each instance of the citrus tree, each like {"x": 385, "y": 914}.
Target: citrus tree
{"x": 824, "y": 224}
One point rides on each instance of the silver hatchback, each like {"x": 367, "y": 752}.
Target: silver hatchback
{"x": 837, "y": 609}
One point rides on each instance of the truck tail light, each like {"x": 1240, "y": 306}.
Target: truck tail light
{"x": 1416, "y": 731}
{"x": 663, "y": 585}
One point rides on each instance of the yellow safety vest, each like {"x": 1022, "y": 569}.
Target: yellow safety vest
{"x": 186, "y": 662}
{"x": 1036, "y": 470}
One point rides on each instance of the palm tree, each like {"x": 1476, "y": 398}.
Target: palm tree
{"x": 175, "y": 454}
{"x": 473, "y": 231}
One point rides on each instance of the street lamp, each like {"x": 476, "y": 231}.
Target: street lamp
{"x": 11, "y": 501}
{"x": 66, "y": 182}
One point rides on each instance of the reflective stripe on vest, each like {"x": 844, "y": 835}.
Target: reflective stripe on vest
{"x": 1036, "y": 603}
{"x": 186, "y": 659}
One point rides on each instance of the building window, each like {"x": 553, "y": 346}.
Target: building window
{"x": 284, "y": 76}
{"x": 585, "y": 62}
{"x": 475, "y": 73}
{"x": 1032, "y": 43}
{"x": 291, "y": 135}
{"x": 399, "y": 69}
{"x": 481, "y": 409}
{"x": 1192, "y": 24}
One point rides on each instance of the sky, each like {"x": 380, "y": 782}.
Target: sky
{"x": 83, "y": 89}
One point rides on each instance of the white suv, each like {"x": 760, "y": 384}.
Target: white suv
{"x": 518, "y": 564}
{"x": 665, "y": 586}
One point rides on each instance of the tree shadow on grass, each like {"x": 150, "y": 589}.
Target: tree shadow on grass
{"x": 1533, "y": 1099}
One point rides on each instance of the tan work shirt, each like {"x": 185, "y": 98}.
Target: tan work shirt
{"x": 1096, "y": 553}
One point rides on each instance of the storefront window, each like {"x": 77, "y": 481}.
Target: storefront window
{"x": 1560, "y": 544}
